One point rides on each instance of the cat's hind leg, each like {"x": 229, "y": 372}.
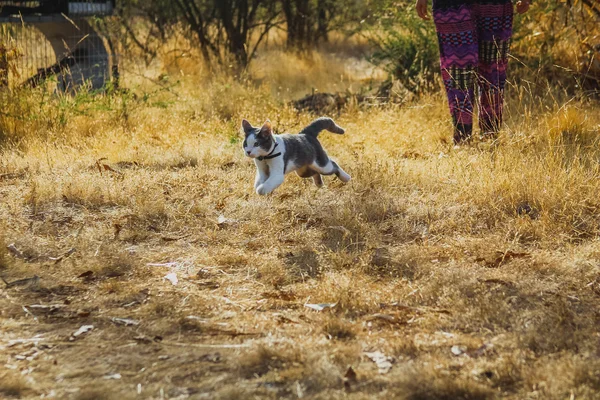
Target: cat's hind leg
{"x": 340, "y": 173}
{"x": 308, "y": 172}
{"x": 318, "y": 179}
{"x": 332, "y": 168}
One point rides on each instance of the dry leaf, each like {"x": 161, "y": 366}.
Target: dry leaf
{"x": 172, "y": 277}
{"x": 383, "y": 362}
{"x": 280, "y": 295}
{"x": 321, "y": 306}
{"x": 62, "y": 257}
{"x": 82, "y": 330}
{"x": 213, "y": 358}
{"x": 228, "y": 165}
{"x": 498, "y": 281}
{"x": 142, "y": 339}
{"x": 501, "y": 258}
{"x": 87, "y": 275}
{"x": 385, "y": 317}
{"x": 222, "y": 221}
{"x": 169, "y": 264}
{"x": 350, "y": 378}
{"x": 98, "y": 164}
{"x": 15, "y": 252}
{"x": 458, "y": 350}
{"x": 49, "y": 308}
{"x": 392, "y": 319}
{"x": 420, "y": 310}
{"x": 174, "y": 238}
{"x": 282, "y": 319}
{"x": 300, "y": 390}
{"x": 136, "y": 299}
{"x": 35, "y": 340}
{"x": 33, "y": 281}
{"x": 101, "y": 165}
{"x": 125, "y": 321}
{"x": 481, "y": 350}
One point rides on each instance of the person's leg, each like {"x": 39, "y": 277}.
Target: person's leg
{"x": 494, "y": 25}
{"x": 457, "y": 35}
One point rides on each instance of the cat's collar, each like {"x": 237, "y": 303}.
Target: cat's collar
{"x": 270, "y": 155}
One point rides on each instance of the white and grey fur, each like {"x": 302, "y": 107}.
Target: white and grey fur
{"x": 301, "y": 153}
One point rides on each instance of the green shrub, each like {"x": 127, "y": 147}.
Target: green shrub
{"x": 407, "y": 48}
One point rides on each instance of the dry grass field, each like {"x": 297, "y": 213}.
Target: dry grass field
{"x": 454, "y": 273}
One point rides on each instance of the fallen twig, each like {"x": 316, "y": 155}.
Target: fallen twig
{"x": 15, "y": 252}
{"x": 420, "y": 310}
{"x": 174, "y": 239}
{"x": 208, "y": 346}
{"x": 29, "y": 313}
{"x": 34, "y": 280}
{"x": 62, "y": 257}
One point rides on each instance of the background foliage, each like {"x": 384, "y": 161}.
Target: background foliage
{"x": 556, "y": 39}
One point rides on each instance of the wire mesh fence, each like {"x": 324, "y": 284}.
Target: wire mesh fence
{"x": 26, "y": 51}
{"x": 43, "y": 44}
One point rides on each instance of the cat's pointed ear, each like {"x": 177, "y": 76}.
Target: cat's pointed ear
{"x": 267, "y": 128}
{"x": 247, "y": 127}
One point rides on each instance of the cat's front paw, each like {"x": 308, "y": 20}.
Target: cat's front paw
{"x": 262, "y": 190}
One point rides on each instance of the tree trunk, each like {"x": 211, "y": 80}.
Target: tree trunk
{"x": 323, "y": 22}
{"x": 298, "y": 15}
{"x": 304, "y": 24}
{"x": 234, "y": 16}
{"x": 288, "y": 13}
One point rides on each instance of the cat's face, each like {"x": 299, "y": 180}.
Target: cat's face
{"x": 257, "y": 141}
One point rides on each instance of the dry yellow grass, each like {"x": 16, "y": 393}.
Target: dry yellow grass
{"x": 476, "y": 269}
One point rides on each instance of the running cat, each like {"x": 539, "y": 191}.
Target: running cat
{"x": 277, "y": 155}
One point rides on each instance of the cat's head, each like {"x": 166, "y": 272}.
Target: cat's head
{"x": 257, "y": 141}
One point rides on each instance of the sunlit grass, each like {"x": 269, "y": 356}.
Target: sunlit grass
{"x": 491, "y": 247}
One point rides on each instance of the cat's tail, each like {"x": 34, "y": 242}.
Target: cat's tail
{"x": 321, "y": 124}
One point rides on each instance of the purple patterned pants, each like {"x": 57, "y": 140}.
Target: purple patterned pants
{"x": 474, "y": 38}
